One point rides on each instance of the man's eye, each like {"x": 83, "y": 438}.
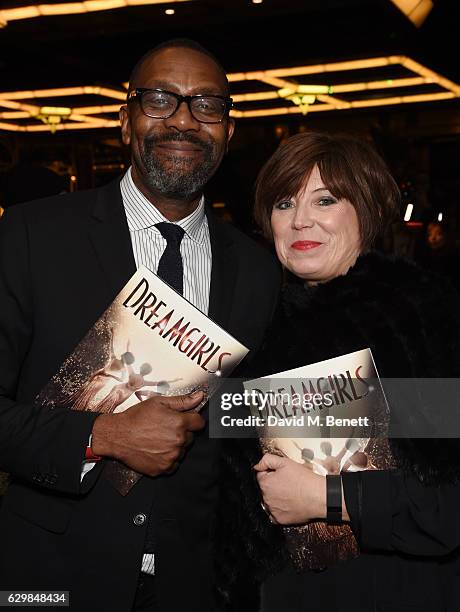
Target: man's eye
{"x": 284, "y": 205}
{"x": 157, "y": 100}
{"x": 207, "y": 105}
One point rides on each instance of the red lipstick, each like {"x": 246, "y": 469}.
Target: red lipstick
{"x": 305, "y": 245}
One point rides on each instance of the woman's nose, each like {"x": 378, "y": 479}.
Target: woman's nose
{"x": 303, "y": 218}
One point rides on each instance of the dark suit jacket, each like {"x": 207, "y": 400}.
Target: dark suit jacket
{"x": 62, "y": 261}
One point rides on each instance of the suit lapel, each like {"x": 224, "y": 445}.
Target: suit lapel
{"x": 224, "y": 271}
{"x": 109, "y": 235}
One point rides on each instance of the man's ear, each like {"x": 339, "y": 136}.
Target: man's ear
{"x": 125, "y": 125}
{"x": 230, "y": 130}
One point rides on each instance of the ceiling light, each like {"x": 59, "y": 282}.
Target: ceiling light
{"x": 72, "y": 8}
{"x": 415, "y": 10}
{"x": 257, "y": 1}
{"x": 288, "y": 97}
{"x": 170, "y": 11}
{"x": 408, "y": 214}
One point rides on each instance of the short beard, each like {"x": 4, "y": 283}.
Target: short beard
{"x": 180, "y": 181}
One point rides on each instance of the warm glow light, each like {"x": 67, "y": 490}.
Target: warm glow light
{"x": 276, "y": 82}
{"x": 287, "y": 96}
{"x": 334, "y": 101}
{"x": 350, "y": 87}
{"x": 10, "y": 127}
{"x": 19, "y": 106}
{"x": 96, "y": 110}
{"x": 355, "y": 104}
{"x": 440, "y": 217}
{"x": 73, "y": 8}
{"x": 63, "y": 91}
{"x": 15, "y": 115}
{"x": 375, "y": 62}
{"x": 253, "y": 97}
{"x": 415, "y": 10}
{"x": 58, "y": 111}
{"x": 408, "y": 213}
{"x": 170, "y": 11}
{"x": 430, "y": 75}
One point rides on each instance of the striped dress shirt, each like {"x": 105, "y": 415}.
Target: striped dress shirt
{"x": 148, "y": 246}
{"x": 148, "y": 243}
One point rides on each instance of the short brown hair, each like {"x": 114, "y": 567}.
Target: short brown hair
{"x": 351, "y": 169}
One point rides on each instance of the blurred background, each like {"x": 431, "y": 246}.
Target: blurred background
{"x": 384, "y": 70}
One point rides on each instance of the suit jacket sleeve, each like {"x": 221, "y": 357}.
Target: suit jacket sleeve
{"x": 39, "y": 445}
{"x": 394, "y": 511}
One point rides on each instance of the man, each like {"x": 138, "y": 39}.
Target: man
{"x": 62, "y": 261}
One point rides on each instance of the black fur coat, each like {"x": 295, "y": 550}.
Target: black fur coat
{"x": 410, "y": 320}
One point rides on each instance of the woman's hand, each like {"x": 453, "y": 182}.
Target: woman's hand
{"x": 292, "y": 494}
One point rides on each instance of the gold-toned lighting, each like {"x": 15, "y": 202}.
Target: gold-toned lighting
{"x": 53, "y": 115}
{"x": 64, "y": 91}
{"x": 336, "y": 102}
{"x": 304, "y": 97}
{"x": 72, "y": 8}
{"x": 59, "y": 127}
{"x": 387, "y": 84}
{"x": 97, "y": 110}
{"x": 254, "y": 97}
{"x": 15, "y": 115}
{"x": 259, "y": 75}
{"x": 10, "y": 127}
{"x": 355, "y": 104}
{"x": 430, "y": 75}
{"x": 415, "y": 10}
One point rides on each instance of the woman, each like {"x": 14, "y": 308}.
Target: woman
{"x": 324, "y": 201}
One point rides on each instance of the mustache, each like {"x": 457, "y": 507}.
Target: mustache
{"x": 154, "y": 139}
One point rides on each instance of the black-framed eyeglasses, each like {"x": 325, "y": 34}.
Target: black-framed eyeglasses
{"x": 161, "y": 104}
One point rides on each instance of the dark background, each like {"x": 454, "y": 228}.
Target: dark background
{"x": 421, "y": 142}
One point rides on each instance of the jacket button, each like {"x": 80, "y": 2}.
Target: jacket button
{"x": 139, "y": 519}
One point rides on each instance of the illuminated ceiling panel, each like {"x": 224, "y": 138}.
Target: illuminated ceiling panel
{"x": 415, "y": 10}
{"x": 336, "y": 87}
{"x": 31, "y": 11}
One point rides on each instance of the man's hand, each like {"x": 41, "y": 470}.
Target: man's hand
{"x": 151, "y": 436}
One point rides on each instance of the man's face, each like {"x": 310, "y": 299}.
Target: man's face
{"x": 176, "y": 157}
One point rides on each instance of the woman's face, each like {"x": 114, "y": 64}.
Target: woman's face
{"x": 316, "y": 235}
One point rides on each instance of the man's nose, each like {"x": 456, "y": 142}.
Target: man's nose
{"x": 182, "y": 120}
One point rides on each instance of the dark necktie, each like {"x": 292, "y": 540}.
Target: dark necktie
{"x": 170, "y": 269}
{"x": 170, "y": 265}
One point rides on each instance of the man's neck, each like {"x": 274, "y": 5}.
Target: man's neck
{"x": 172, "y": 209}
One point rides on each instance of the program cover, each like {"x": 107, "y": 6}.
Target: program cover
{"x": 150, "y": 341}
{"x": 331, "y": 416}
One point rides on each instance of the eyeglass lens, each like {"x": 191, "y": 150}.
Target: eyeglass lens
{"x": 160, "y": 104}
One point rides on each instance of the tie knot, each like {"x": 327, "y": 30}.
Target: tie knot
{"x": 171, "y": 232}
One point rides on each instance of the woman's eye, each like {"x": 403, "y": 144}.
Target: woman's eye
{"x": 284, "y": 205}
{"x": 327, "y": 201}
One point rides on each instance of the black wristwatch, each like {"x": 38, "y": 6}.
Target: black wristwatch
{"x": 334, "y": 499}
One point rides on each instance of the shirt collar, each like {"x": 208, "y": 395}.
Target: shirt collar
{"x": 142, "y": 214}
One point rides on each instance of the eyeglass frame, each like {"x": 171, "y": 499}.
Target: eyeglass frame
{"x": 138, "y": 91}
